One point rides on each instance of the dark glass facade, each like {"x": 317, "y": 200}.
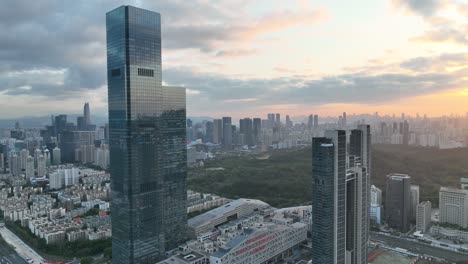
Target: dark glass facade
{"x": 329, "y": 198}
{"x": 398, "y": 202}
{"x": 227, "y": 132}
{"x": 323, "y": 166}
{"x": 146, "y": 140}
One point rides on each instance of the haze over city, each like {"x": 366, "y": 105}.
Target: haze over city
{"x": 243, "y": 57}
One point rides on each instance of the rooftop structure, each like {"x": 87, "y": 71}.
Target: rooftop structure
{"x": 234, "y": 210}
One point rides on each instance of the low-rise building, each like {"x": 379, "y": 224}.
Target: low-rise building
{"x": 234, "y": 210}
{"x": 267, "y": 243}
{"x": 449, "y": 233}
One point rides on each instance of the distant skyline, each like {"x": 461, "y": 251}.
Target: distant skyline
{"x": 247, "y": 58}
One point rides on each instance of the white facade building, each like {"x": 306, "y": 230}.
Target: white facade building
{"x": 72, "y": 176}
{"x": 56, "y": 156}
{"x": 376, "y": 196}
{"x": 453, "y": 205}
{"x": 414, "y": 201}
{"x": 30, "y": 167}
{"x": 57, "y": 180}
{"x": 41, "y": 166}
{"x": 423, "y": 216}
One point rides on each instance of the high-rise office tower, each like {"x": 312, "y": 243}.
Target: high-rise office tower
{"x": 148, "y": 158}
{"x": 60, "y": 124}
{"x": 278, "y": 119}
{"x": 41, "y": 166}
{"x": 357, "y": 211}
{"x": 414, "y": 201}
{"x": 345, "y": 120}
{"x": 271, "y": 120}
{"x": 80, "y": 123}
{"x": 23, "y": 159}
{"x": 2, "y": 162}
{"x": 289, "y": 123}
{"x": 227, "y": 132}
{"x": 357, "y": 193}
{"x": 217, "y": 131}
{"x": 359, "y": 148}
{"x": 3, "y": 157}
{"x": 310, "y": 122}
{"x": 398, "y": 202}
{"x": 329, "y": 198}
{"x": 47, "y": 157}
{"x": 14, "y": 164}
{"x": 209, "y": 131}
{"x": 365, "y": 152}
{"x": 405, "y": 132}
{"x": 423, "y": 216}
{"x": 257, "y": 130}
{"x": 315, "y": 121}
{"x": 56, "y": 156}
{"x": 453, "y": 204}
{"x": 29, "y": 167}
{"x": 246, "y": 128}
{"x": 72, "y": 140}
{"x": 86, "y": 115}
{"x": 37, "y": 153}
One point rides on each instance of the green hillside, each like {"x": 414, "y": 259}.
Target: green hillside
{"x": 284, "y": 179}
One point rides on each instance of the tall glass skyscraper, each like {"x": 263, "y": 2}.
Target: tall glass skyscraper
{"x": 329, "y": 198}
{"x": 146, "y": 140}
{"x": 340, "y": 197}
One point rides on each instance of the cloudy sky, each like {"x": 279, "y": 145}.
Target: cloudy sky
{"x": 247, "y": 58}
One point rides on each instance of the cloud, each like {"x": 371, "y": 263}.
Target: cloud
{"x": 421, "y": 7}
{"x": 437, "y": 63}
{"x": 52, "y": 35}
{"x": 446, "y": 33}
{"x": 358, "y": 88}
{"x": 234, "y": 53}
{"x": 443, "y": 27}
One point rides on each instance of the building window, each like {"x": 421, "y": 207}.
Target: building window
{"x": 145, "y": 72}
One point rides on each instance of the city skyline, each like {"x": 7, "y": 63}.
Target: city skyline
{"x": 231, "y": 66}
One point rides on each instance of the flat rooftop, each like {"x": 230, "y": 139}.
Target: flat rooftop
{"x": 205, "y": 218}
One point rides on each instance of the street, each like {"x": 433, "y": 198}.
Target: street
{"x": 21, "y": 248}
{"x": 8, "y": 256}
{"x": 419, "y": 248}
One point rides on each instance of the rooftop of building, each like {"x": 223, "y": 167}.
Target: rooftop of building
{"x": 453, "y": 190}
{"x": 250, "y": 232}
{"x": 398, "y": 176}
{"x": 183, "y": 258}
{"x": 222, "y": 210}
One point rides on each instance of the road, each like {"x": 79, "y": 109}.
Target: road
{"x": 8, "y": 256}
{"x": 21, "y": 248}
{"x": 419, "y": 248}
